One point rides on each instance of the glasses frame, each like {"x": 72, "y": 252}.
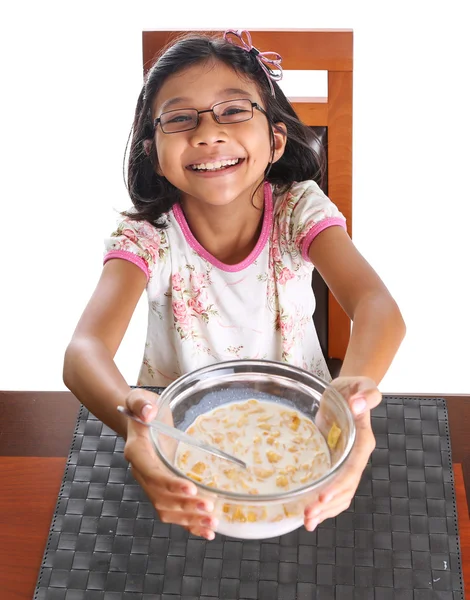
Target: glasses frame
{"x": 208, "y": 110}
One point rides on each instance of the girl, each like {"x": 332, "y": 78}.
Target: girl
{"x": 228, "y": 223}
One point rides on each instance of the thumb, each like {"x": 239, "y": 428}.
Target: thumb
{"x": 143, "y": 404}
{"x": 365, "y": 400}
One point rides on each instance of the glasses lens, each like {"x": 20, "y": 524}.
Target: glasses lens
{"x": 178, "y": 120}
{"x": 233, "y": 111}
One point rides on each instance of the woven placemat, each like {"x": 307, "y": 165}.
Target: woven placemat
{"x": 398, "y": 540}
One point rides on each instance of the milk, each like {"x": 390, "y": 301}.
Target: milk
{"x": 283, "y": 450}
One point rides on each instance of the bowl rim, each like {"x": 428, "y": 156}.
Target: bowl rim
{"x": 250, "y": 498}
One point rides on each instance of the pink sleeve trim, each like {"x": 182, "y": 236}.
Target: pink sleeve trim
{"x": 316, "y": 229}
{"x": 131, "y": 257}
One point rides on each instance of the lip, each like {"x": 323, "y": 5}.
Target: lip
{"x": 202, "y": 160}
{"x": 209, "y": 174}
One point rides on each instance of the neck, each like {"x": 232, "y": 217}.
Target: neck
{"x": 228, "y": 232}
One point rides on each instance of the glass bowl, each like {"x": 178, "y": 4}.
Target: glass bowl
{"x": 222, "y": 383}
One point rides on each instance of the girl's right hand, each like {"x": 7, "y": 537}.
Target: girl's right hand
{"x": 174, "y": 498}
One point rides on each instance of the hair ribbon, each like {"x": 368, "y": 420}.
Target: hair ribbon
{"x": 269, "y": 61}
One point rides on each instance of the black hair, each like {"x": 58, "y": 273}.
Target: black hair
{"x": 153, "y": 195}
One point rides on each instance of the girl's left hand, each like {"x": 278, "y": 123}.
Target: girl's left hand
{"x": 362, "y": 395}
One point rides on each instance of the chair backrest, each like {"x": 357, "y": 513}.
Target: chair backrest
{"x": 311, "y": 50}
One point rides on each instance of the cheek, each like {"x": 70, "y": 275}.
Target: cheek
{"x": 262, "y": 149}
{"x": 264, "y": 143}
{"x": 168, "y": 153}
{"x": 256, "y": 141}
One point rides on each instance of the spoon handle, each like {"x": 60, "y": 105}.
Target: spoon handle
{"x": 182, "y": 437}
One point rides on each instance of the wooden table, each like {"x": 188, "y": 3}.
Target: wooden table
{"x": 35, "y": 437}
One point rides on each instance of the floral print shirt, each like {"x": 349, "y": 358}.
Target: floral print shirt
{"x": 203, "y": 311}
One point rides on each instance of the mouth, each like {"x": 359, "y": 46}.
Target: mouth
{"x": 216, "y": 166}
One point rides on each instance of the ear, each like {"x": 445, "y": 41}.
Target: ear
{"x": 280, "y": 140}
{"x": 147, "y": 144}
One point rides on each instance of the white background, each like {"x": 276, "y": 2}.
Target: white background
{"x": 71, "y": 74}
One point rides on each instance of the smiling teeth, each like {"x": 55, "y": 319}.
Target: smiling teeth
{"x": 215, "y": 165}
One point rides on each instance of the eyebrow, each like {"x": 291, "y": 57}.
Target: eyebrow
{"x": 226, "y": 92}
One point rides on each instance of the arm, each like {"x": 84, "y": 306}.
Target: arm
{"x": 377, "y": 332}
{"x": 89, "y": 369}
{"x": 378, "y": 327}
{"x": 91, "y": 374}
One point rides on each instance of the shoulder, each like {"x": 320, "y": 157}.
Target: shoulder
{"x": 299, "y": 193}
{"x": 137, "y": 230}
{"x": 139, "y": 242}
{"x": 302, "y": 212}
{"x": 298, "y": 189}
{"x": 140, "y": 234}
{"x": 303, "y": 201}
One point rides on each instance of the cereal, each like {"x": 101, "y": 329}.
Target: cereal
{"x": 333, "y": 436}
{"x": 230, "y": 473}
{"x": 184, "y": 457}
{"x": 282, "y": 447}
{"x": 295, "y": 422}
{"x": 199, "y": 468}
{"x": 239, "y": 515}
{"x": 263, "y": 473}
{"x": 273, "y": 457}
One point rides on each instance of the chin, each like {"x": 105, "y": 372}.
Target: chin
{"x": 216, "y": 195}
{"x": 222, "y": 199}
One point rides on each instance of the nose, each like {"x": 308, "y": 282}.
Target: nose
{"x": 208, "y": 131}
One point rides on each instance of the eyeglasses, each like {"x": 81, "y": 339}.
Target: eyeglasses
{"x": 185, "y": 119}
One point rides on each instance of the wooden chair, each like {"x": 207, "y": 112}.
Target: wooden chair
{"x": 331, "y": 117}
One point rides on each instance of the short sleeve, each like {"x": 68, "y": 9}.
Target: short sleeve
{"x": 303, "y": 212}
{"x": 138, "y": 242}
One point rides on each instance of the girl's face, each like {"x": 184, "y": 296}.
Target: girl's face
{"x": 201, "y": 87}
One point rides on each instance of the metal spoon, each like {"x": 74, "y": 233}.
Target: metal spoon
{"x": 182, "y": 437}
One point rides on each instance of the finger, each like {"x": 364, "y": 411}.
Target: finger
{"x": 336, "y": 509}
{"x": 200, "y": 532}
{"x": 192, "y": 520}
{"x": 161, "y": 486}
{"x": 194, "y": 507}
{"x": 203, "y": 532}
{"x": 311, "y": 524}
{"x": 143, "y": 404}
{"x": 147, "y": 469}
{"x": 146, "y": 405}
{"x": 360, "y": 392}
{"x": 333, "y": 511}
{"x": 342, "y": 499}
{"x": 350, "y": 481}
{"x": 351, "y": 473}
{"x": 343, "y": 495}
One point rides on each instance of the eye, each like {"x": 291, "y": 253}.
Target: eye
{"x": 179, "y": 118}
{"x": 234, "y": 109}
